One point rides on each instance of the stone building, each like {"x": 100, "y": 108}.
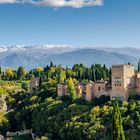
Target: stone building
{"x": 61, "y": 89}
{"x": 137, "y": 88}
{"x": 101, "y": 88}
{"x": 34, "y": 83}
{"x": 88, "y": 91}
{"x": 80, "y": 90}
{"x": 123, "y": 80}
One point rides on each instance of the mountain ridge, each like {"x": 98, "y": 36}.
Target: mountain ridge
{"x": 40, "y": 55}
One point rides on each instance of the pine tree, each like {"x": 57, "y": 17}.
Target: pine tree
{"x": 71, "y": 89}
{"x": 117, "y": 128}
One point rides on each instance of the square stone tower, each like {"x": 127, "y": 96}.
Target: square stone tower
{"x": 61, "y": 89}
{"x": 122, "y": 81}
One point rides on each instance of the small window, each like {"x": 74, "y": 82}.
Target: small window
{"x": 99, "y": 88}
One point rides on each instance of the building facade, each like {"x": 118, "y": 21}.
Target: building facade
{"x": 124, "y": 80}
{"x": 34, "y": 83}
{"x": 88, "y": 91}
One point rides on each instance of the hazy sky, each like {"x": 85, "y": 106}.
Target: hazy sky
{"x": 92, "y": 23}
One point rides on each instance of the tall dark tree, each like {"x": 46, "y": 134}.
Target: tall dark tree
{"x": 139, "y": 65}
{"x": 51, "y": 64}
{"x": 21, "y": 72}
{"x": 117, "y": 127}
{"x": 110, "y": 73}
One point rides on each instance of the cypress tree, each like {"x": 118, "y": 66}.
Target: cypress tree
{"x": 117, "y": 128}
{"x": 71, "y": 89}
{"x": 51, "y": 64}
{"x": 93, "y": 75}
{"x": 61, "y": 76}
{"x": 110, "y": 74}
{"x": 40, "y": 81}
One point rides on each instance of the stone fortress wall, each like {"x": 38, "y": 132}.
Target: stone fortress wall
{"x": 124, "y": 79}
{"x": 88, "y": 91}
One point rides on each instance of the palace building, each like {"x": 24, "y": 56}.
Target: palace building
{"x": 124, "y": 80}
{"x": 88, "y": 91}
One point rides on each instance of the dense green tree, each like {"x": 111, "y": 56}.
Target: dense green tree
{"x": 21, "y": 72}
{"x": 39, "y": 71}
{"x": 25, "y": 86}
{"x": 9, "y": 73}
{"x": 67, "y": 117}
{"x": 51, "y": 64}
{"x": 71, "y": 89}
{"x": 117, "y": 127}
{"x": 4, "y": 123}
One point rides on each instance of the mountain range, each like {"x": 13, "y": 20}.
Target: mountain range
{"x": 40, "y": 55}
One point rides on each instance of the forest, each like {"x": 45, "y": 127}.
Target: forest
{"x": 65, "y": 118}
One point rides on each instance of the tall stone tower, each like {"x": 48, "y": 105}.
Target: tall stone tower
{"x": 122, "y": 81}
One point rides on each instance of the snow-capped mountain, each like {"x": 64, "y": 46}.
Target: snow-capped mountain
{"x": 49, "y": 48}
{"x": 16, "y": 48}
{"x": 3, "y": 48}
{"x": 40, "y": 55}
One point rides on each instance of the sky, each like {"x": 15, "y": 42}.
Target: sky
{"x": 78, "y": 23}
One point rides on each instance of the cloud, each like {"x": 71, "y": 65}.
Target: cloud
{"x": 69, "y": 3}
{"x": 7, "y": 1}
{"x": 15, "y": 1}
{"x": 58, "y": 3}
